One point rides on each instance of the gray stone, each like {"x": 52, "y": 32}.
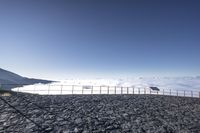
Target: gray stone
{"x": 30, "y": 126}
{"x": 102, "y": 113}
{"x": 76, "y": 130}
{"x": 138, "y": 121}
{"x": 110, "y": 112}
{"x": 78, "y": 121}
{"x": 1, "y": 128}
{"x": 3, "y": 116}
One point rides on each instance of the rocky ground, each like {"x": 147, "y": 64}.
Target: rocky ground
{"x": 99, "y": 113}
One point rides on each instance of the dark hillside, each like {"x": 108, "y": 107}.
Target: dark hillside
{"x": 10, "y": 80}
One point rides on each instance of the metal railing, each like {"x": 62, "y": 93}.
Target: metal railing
{"x": 51, "y": 89}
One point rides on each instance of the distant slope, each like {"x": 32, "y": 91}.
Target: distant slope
{"x": 10, "y": 80}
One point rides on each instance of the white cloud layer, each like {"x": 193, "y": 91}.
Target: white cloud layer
{"x": 140, "y": 85}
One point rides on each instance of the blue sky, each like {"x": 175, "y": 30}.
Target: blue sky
{"x": 106, "y": 38}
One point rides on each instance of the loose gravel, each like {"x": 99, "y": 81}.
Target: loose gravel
{"x": 99, "y": 114}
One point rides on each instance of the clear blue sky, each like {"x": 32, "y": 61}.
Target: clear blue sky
{"x": 100, "y": 38}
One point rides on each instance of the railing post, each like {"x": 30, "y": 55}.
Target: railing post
{"x": 144, "y": 90}
{"x": 121, "y": 90}
{"x": 184, "y": 93}
{"x": 150, "y": 90}
{"x": 127, "y": 90}
{"x": 92, "y": 90}
{"x": 100, "y": 89}
{"x": 139, "y": 90}
{"x": 163, "y": 92}
{"x": 72, "y": 89}
{"x": 177, "y": 93}
{"x": 61, "y": 89}
{"x": 48, "y": 89}
{"x": 115, "y": 90}
{"x": 108, "y": 90}
{"x": 191, "y": 93}
{"x": 199, "y": 94}
{"x": 82, "y": 90}
{"x": 34, "y": 88}
{"x": 133, "y": 90}
{"x": 170, "y": 92}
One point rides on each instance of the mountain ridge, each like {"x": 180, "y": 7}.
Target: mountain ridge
{"x": 9, "y": 80}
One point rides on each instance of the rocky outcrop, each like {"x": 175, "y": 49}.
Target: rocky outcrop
{"x": 99, "y": 113}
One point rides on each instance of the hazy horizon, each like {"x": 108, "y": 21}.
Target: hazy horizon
{"x": 111, "y": 77}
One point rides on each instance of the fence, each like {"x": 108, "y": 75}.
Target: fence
{"x": 51, "y": 89}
